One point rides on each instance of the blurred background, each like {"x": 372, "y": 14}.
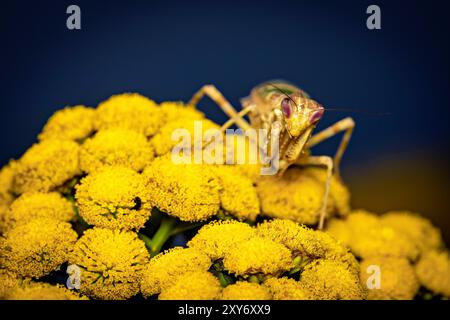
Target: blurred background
{"x": 167, "y": 50}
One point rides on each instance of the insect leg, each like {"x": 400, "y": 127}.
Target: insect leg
{"x": 328, "y": 163}
{"x": 223, "y": 103}
{"x": 347, "y": 125}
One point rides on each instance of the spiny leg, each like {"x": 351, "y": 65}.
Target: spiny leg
{"x": 327, "y": 162}
{"x": 347, "y": 125}
{"x": 215, "y": 95}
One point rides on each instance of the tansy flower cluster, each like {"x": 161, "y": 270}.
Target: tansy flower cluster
{"x": 99, "y": 201}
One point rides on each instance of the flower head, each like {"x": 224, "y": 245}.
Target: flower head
{"x": 46, "y": 166}
{"x": 433, "y": 271}
{"x": 238, "y": 196}
{"x": 129, "y": 111}
{"x": 71, "y": 123}
{"x": 398, "y": 280}
{"x": 218, "y": 237}
{"x": 185, "y": 131}
{"x": 34, "y": 205}
{"x": 174, "y": 110}
{"x": 189, "y": 192}
{"x": 116, "y": 147}
{"x": 42, "y": 291}
{"x": 417, "y": 228}
{"x": 257, "y": 256}
{"x": 331, "y": 280}
{"x": 196, "y": 285}
{"x": 297, "y": 196}
{"x": 8, "y": 282}
{"x": 114, "y": 198}
{"x": 6, "y": 196}
{"x": 243, "y": 290}
{"x": 164, "y": 269}
{"x": 286, "y": 289}
{"x": 38, "y": 247}
{"x": 111, "y": 263}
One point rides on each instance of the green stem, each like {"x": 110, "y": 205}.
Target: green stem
{"x": 163, "y": 233}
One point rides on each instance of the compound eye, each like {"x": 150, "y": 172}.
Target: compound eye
{"x": 286, "y": 107}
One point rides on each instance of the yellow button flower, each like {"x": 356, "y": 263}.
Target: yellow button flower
{"x": 242, "y": 290}
{"x": 197, "y": 285}
{"x": 286, "y": 289}
{"x": 116, "y": 147}
{"x": 8, "y": 282}
{"x": 218, "y": 237}
{"x": 257, "y": 256}
{"x": 174, "y": 110}
{"x": 189, "y": 192}
{"x": 331, "y": 280}
{"x": 6, "y": 197}
{"x": 43, "y": 291}
{"x": 111, "y": 263}
{"x": 38, "y": 247}
{"x": 129, "y": 111}
{"x": 114, "y": 198}
{"x": 164, "y": 269}
{"x": 298, "y": 195}
{"x": 71, "y": 123}
{"x": 34, "y": 205}
{"x": 397, "y": 278}
{"x": 46, "y": 166}
{"x": 433, "y": 271}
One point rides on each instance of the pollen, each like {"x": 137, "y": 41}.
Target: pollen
{"x": 189, "y": 192}
{"x": 46, "y": 166}
{"x": 163, "y": 270}
{"x": 71, "y": 123}
{"x": 111, "y": 263}
{"x": 197, "y": 285}
{"x": 36, "y": 248}
{"x": 129, "y": 111}
{"x": 116, "y": 147}
{"x": 114, "y": 198}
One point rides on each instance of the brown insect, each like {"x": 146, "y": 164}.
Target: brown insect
{"x": 281, "y": 108}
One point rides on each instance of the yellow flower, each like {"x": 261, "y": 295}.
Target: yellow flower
{"x": 398, "y": 280}
{"x": 257, "y": 256}
{"x": 115, "y": 198}
{"x": 174, "y": 110}
{"x": 38, "y": 247}
{"x": 196, "y": 285}
{"x": 71, "y": 123}
{"x": 187, "y": 191}
{"x": 111, "y": 263}
{"x": 306, "y": 243}
{"x": 46, "y": 166}
{"x": 368, "y": 237}
{"x": 340, "y": 230}
{"x": 129, "y": 111}
{"x": 30, "y": 206}
{"x": 417, "y": 228}
{"x": 433, "y": 271}
{"x": 331, "y": 280}
{"x": 238, "y": 196}
{"x": 43, "y": 291}
{"x": 286, "y": 289}
{"x": 217, "y": 237}
{"x": 6, "y": 198}
{"x": 116, "y": 147}
{"x": 243, "y": 153}
{"x": 184, "y": 131}
{"x": 8, "y": 282}
{"x": 242, "y": 290}
{"x": 298, "y": 196}
{"x": 163, "y": 270}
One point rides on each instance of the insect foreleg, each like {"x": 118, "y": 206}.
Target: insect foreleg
{"x": 328, "y": 163}
{"x": 347, "y": 125}
{"x": 223, "y": 103}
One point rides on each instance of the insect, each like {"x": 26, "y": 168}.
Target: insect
{"x": 290, "y": 114}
